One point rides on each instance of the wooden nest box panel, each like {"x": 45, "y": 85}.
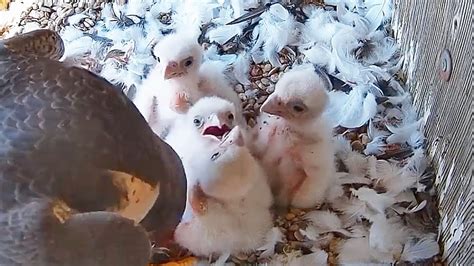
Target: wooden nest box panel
{"x": 436, "y": 39}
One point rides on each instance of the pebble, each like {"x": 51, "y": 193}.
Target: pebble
{"x": 273, "y": 71}
{"x": 265, "y": 81}
{"x": 54, "y": 14}
{"x": 252, "y": 258}
{"x": 290, "y": 216}
{"x": 351, "y": 135}
{"x": 242, "y": 96}
{"x": 262, "y": 99}
{"x": 251, "y": 101}
{"x": 256, "y": 107}
{"x": 357, "y": 146}
{"x": 48, "y": 3}
{"x": 334, "y": 244}
{"x": 256, "y": 71}
{"x": 274, "y": 77}
{"x": 35, "y": 14}
{"x": 364, "y": 139}
{"x": 89, "y": 22}
{"x": 267, "y": 68}
{"x": 293, "y": 227}
{"x": 242, "y": 256}
{"x": 270, "y": 89}
{"x": 297, "y": 211}
{"x": 298, "y": 235}
{"x": 239, "y": 88}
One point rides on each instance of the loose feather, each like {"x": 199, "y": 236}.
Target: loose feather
{"x": 271, "y": 239}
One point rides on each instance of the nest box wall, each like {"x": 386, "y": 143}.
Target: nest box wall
{"x": 436, "y": 41}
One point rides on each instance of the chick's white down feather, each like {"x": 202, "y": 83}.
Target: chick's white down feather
{"x": 238, "y": 200}
{"x": 297, "y": 128}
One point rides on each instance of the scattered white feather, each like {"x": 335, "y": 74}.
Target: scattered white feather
{"x": 326, "y": 221}
{"x": 417, "y": 208}
{"x": 359, "y": 107}
{"x": 393, "y": 178}
{"x": 223, "y": 34}
{"x": 318, "y": 257}
{"x": 387, "y": 235}
{"x": 356, "y": 164}
{"x": 356, "y": 251}
{"x": 284, "y": 259}
{"x": 320, "y": 26}
{"x": 320, "y": 55}
{"x": 271, "y": 239}
{"x": 422, "y": 249}
{"x": 276, "y": 29}
{"x": 376, "y": 146}
{"x": 311, "y": 233}
{"x": 241, "y": 67}
{"x": 354, "y": 209}
{"x": 377, "y": 201}
{"x": 378, "y": 12}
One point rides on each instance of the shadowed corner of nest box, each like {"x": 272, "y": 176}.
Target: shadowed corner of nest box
{"x": 4, "y": 4}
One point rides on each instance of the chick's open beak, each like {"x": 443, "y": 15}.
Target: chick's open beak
{"x": 173, "y": 69}
{"x": 274, "y": 106}
{"x": 217, "y": 126}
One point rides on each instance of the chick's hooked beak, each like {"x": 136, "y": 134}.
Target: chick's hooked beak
{"x": 218, "y": 125}
{"x": 274, "y": 106}
{"x": 173, "y": 70}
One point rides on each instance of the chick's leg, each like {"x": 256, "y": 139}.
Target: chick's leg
{"x": 299, "y": 178}
{"x": 198, "y": 200}
{"x": 47, "y": 232}
{"x": 312, "y": 190}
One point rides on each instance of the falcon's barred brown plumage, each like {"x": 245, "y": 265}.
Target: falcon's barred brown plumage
{"x": 78, "y": 164}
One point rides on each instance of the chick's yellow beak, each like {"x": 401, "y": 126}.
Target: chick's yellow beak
{"x": 274, "y": 106}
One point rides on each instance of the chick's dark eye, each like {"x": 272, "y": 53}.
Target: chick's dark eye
{"x": 298, "y": 108}
{"x": 197, "y": 121}
{"x": 230, "y": 117}
{"x": 188, "y": 62}
{"x": 215, "y": 156}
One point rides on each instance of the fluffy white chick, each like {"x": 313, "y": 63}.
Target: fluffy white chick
{"x": 178, "y": 80}
{"x": 172, "y": 85}
{"x": 208, "y": 120}
{"x": 229, "y": 200}
{"x": 293, "y": 140}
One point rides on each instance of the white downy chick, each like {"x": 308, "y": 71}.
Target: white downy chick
{"x": 207, "y": 121}
{"x": 293, "y": 139}
{"x": 229, "y": 200}
{"x": 172, "y": 85}
{"x": 179, "y": 80}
